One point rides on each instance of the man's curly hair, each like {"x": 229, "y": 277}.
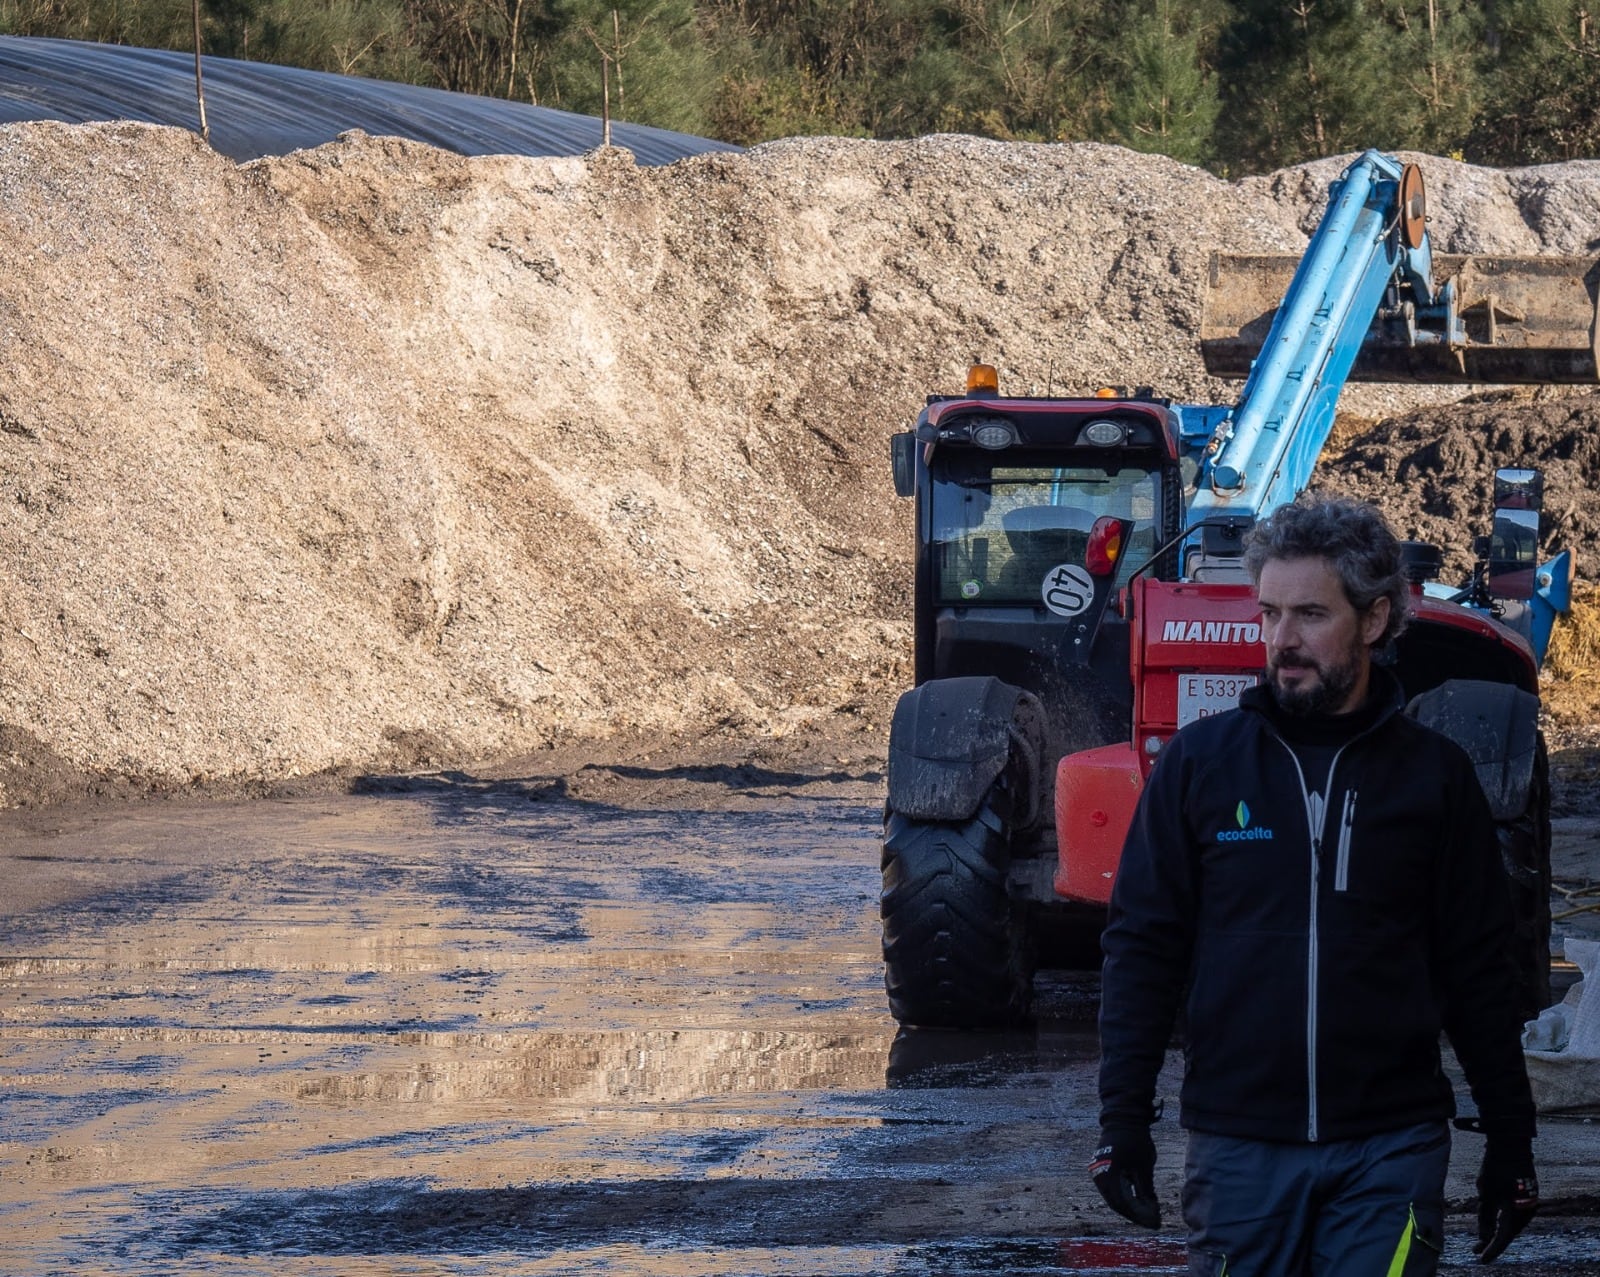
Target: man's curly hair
{"x": 1352, "y": 537}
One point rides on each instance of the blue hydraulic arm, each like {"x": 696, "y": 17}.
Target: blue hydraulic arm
{"x": 1368, "y": 269}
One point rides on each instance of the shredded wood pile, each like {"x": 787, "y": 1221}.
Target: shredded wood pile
{"x": 375, "y": 456}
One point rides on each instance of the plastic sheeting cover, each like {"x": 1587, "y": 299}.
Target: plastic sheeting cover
{"x": 256, "y": 108}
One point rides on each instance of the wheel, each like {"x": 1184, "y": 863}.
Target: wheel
{"x": 954, "y": 944}
{"x": 1525, "y": 849}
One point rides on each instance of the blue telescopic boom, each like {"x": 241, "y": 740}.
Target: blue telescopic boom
{"x": 1358, "y": 273}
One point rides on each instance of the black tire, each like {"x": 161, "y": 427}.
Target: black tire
{"x": 955, "y": 952}
{"x": 1525, "y": 851}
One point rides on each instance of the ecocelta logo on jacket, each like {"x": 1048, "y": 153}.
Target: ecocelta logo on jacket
{"x": 1245, "y": 832}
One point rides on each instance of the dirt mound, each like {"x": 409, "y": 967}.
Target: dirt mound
{"x": 1432, "y": 470}
{"x": 374, "y": 455}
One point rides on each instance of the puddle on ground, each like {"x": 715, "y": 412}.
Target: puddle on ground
{"x": 420, "y": 1034}
{"x": 431, "y": 1034}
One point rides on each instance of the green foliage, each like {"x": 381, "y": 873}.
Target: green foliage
{"x": 1546, "y": 85}
{"x": 1321, "y": 77}
{"x": 1241, "y": 85}
{"x": 1165, "y": 101}
{"x": 1026, "y": 67}
{"x": 156, "y": 24}
{"x": 348, "y": 37}
{"x": 642, "y": 55}
{"x": 1441, "y": 69}
{"x": 1302, "y": 79}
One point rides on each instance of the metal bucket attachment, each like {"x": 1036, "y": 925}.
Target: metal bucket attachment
{"x": 1527, "y": 319}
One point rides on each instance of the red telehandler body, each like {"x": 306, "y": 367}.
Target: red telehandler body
{"x": 1080, "y": 594}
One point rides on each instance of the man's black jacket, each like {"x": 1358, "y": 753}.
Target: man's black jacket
{"x": 1319, "y": 970}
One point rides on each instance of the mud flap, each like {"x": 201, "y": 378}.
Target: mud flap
{"x": 1498, "y": 726}
{"x": 952, "y": 739}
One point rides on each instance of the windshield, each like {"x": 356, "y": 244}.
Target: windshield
{"x": 999, "y": 530}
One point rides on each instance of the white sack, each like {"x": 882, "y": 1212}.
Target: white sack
{"x": 1563, "y": 1044}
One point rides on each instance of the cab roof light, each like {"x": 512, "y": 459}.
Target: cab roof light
{"x": 983, "y": 379}
{"x": 1105, "y": 433}
{"x": 993, "y": 433}
{"x": 1105, "y": 546}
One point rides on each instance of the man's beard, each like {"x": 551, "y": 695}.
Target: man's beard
{"x": 1327, "y": 695}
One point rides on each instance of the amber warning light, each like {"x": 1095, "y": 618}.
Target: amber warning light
{"x": 1105, "y": 546}
{"x": 983, "y": 377}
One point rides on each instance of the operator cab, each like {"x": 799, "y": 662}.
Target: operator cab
{"x": 1032, "y": 514}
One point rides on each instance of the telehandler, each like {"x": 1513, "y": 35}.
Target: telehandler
{"x": 1080, "y": 595}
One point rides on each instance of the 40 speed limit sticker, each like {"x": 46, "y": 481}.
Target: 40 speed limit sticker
{"x": 1068, "y": 589}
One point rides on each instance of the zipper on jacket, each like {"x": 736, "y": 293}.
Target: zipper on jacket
{"x": 1316, "y": 817}
{"x": 1341, "y": 873}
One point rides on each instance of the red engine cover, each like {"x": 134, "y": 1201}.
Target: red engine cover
{"x": 1195, "y": 648}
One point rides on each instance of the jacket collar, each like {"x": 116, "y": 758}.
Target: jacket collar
{"x": 1385, "y": 698}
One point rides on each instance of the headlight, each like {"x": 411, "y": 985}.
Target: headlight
{"x": 1105, "y": 434}
{"x": 993, "y": 434}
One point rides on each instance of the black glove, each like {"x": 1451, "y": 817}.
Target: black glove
{"x": 1123, "y": 1169}
{"x": 1508, "y": 1194}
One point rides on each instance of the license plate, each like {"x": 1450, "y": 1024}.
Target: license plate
{"x": 1200, "y": 695}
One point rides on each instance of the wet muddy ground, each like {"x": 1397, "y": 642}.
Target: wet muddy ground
{"x": 451, "y": 1027}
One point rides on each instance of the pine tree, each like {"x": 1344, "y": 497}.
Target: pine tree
{"x": 1439, "y": 44}
{"x": 1164, "y": 101}
{"x": 1310, "y": 78}
{"x": 644, "y": 54}
{"x": 1543, "y": 75}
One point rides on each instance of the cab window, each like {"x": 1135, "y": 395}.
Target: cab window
{"x": 999, "y": 530}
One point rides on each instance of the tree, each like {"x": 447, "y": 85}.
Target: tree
{"x": 1037, "y": 69}
{"x": 1543, "y": 73}
{"x": 153, "y": 24}
{"x": 1165, "y": 100}
{"x": 1310, "y": 78}
{"x": 823, "y": 66}
{"x": 471, "y": 46}
{"x": 663, "y": 71}
{"x": 1439, "y": 46}
{"x": 347, "y": 37}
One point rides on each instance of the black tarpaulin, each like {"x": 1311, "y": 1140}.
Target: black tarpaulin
{"x": 256, "y": 108}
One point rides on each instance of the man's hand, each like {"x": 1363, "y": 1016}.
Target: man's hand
{"x": 1123, "y": 1169}
{"x": 1508, "y": 1194}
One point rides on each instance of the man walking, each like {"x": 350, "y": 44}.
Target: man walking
{"x": 1320, "y": 875}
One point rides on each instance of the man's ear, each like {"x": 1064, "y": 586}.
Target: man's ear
{"x": 1374, "y": 621}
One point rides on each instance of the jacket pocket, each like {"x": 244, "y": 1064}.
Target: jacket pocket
{"x": 1341, "y": 871}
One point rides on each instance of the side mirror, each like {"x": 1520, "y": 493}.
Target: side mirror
{"x": 1514, "y": 540}
{"x": 903, "y": 456}
{"x": 1518, "y": 489}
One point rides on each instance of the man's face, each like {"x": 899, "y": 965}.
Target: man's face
{"x": 1318, "y": 646}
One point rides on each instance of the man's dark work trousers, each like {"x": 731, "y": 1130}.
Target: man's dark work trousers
{"x": 1367, "y": 1207}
